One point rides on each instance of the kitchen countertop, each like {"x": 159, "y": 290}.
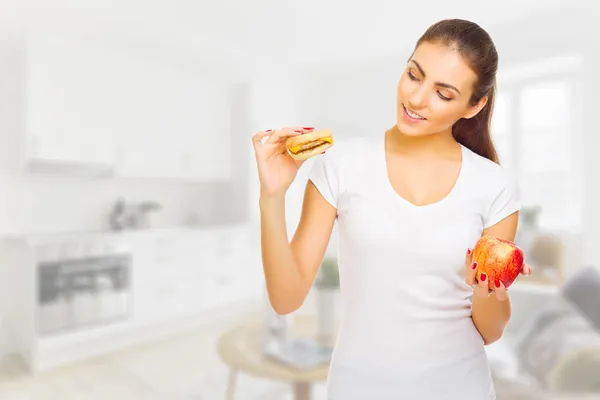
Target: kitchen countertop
{"x": 76, "y": 236}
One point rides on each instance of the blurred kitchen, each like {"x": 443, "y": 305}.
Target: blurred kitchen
{"x": 130, "y": 249}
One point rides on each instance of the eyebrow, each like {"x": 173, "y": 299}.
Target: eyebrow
{"x": 442, "y": 84}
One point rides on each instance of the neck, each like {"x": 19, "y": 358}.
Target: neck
{"x": 438, "y": 143}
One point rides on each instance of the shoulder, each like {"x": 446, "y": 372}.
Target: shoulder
{"x": 496, "y": 189}
{"x": 346, "y": 155}
{"x": 341, "y": 169}
{"x": 488, "y": 173}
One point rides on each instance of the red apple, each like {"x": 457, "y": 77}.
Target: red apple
{"x": 499, "y": 259}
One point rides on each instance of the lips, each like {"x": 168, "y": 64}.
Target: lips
{"x": 413, "y": 114}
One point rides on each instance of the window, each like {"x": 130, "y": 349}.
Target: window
{"x": 545, "y": 137}
{"x": 544, "y": 123}
{"x": 535, "y": 130}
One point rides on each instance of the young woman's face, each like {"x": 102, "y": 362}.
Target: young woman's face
{"x": 434, "y": 91}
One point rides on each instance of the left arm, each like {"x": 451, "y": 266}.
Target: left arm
{"x": 491, "y": 311}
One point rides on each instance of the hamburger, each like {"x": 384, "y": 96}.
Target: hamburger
{"x": 309, "y": 144}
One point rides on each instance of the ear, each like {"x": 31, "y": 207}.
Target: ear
{"x": 474, "y": 110}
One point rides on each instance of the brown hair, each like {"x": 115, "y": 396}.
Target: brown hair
{"x": 478, "y": 50}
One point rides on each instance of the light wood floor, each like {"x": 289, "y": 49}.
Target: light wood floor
{"x": 184, "y": 367}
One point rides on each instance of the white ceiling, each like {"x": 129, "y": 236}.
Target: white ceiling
{"x": 244, "y": 32}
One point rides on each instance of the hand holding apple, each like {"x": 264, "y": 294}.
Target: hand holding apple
{"x": 494, "y": 264}
{"x": 499, "y": 259}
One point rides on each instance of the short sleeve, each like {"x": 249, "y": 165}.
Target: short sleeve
{"x": 324, "y": 175}
{"x": 504, "y": 201}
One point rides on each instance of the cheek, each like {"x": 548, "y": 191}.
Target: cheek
{"x": 399, "y": 88}
{"x": 444, "y": 113}
{"x": 403, "y": 89}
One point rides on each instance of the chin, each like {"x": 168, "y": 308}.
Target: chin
{"x": 409, "y": 130}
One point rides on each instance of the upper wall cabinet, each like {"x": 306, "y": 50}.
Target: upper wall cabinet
{"x": 99, "y": 107}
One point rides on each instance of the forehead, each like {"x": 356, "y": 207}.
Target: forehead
{"x": 442, "y": 63}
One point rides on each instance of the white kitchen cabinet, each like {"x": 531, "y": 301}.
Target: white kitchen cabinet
{"x": 207, "y": 154}
{"x": 178, "y": 274}
{"x": 236, "y": 271}
{"x": 147, "y": 136}
{"x": 88, "y": 104}
{"x": 67, "y": 97}
{"x": 179, "y": 278}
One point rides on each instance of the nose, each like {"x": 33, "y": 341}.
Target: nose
{"x": 418, "y": 98}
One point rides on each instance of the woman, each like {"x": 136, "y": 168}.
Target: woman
{"x": 409, "y": 205}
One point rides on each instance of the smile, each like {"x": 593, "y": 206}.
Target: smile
{"x": 413, "y": 115}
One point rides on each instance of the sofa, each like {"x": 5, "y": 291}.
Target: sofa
{"x": 551, "y": 346}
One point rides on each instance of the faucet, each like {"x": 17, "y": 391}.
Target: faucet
{"x": 131, "y": 216}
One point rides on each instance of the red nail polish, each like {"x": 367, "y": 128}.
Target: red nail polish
{"x": 497, "y": 283}
{"x": 298, "y": 130}
{"x": 269, "y": 130}
{"x": 309, "y": 128}
{"x": 475, "y": 265}
{"x": 468, "y": 251}
{"x": 323, "y": 153}
{"x": 483, "y": 277}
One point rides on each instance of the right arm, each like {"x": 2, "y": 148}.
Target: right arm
{"x": 290, "y": 268}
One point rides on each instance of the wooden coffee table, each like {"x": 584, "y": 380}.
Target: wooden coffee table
{"x": 240, "y": 349}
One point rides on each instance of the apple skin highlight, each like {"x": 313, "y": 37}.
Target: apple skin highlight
{"x": 499, "y": 259}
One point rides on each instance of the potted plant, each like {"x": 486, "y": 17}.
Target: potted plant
{"x": 327, "y": 287}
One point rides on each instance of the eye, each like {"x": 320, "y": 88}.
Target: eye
{"x": 411, "y": 76}
{"x": 443, "y": 97}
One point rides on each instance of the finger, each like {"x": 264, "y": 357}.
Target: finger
{"x": 300, "y": 128}
{"x": 481, "y": 288}
{"x": 500, "y": 290}
{"x": 285, "y": 133}
{"x": 470, "y": 267}
{"x": 258, "y": 137}
{"x": 282, "y": 134}
{"x": 526, "y": 269}
{"x": 468, "y": 257}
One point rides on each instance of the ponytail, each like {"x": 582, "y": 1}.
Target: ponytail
{"x": 475, "y": 133}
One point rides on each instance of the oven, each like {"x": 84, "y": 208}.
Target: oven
{"x": 82, "y": 291}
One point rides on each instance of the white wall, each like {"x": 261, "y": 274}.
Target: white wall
{"x": 44, "y": 203}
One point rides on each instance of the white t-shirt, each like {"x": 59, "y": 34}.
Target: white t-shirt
{"x": 406, "y": 330}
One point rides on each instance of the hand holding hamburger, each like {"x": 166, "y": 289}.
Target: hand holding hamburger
{"x": 280, "y": 156}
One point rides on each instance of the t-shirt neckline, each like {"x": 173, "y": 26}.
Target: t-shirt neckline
{"x": 402, "y": 200}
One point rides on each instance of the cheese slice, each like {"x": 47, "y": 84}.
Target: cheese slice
{"x": 295, "y": 149}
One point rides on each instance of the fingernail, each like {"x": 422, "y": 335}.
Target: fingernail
{"x": 323, "y": 153}
{"x": 475, "y": 265}
{"x": 310, "y": 128}
{"x": 483, "y": 277}
{"x": 497, "y": 283}
{"x": 269, "y": 130}
{"x": 468, "y": 251}
{"x": 298, "y": 130}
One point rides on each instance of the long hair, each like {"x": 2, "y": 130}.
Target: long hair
{"x": 478, "y": 50}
